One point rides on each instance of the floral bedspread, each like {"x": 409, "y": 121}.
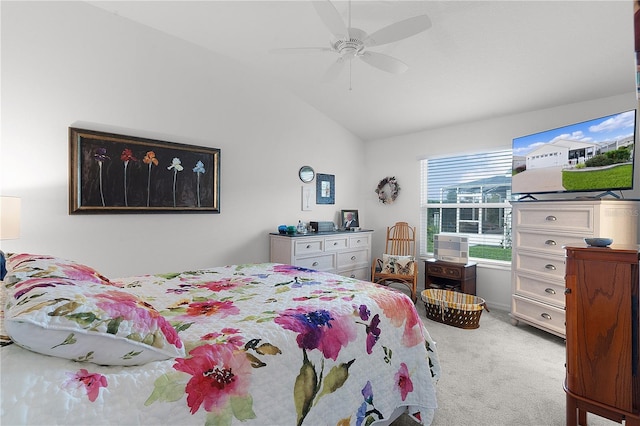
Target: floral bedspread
{"x": 265, "y": 344}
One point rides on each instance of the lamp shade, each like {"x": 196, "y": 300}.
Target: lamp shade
{"x": 9, "y": 218}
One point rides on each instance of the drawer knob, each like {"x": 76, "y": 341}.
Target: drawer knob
{"x": 545, "y": 316}
{"x": 550, "y": 290}
{"x": 550, "y": 218}
{"x": 353, "y": 257}
{"x": 335, "y": 243}
{"x": 315, "y": 264}
{"x": 308, "y": 246}
{"x": 352, "y": 276}
{"x": 358, "y": 241}
{"x": 550, "y": 267}
{"x": 550, "y": 243}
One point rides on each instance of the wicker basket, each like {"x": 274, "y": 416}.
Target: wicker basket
{"x": 453, "y": 308}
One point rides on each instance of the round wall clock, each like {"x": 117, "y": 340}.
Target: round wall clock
{"x": 306, "y": 174}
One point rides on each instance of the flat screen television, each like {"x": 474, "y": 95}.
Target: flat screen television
{"x": 591, "y": 156}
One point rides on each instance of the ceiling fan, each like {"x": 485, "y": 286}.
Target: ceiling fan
{"x": 350, "y": 42}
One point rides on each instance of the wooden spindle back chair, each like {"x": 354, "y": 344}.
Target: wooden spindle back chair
{"x": 398, "y": 265}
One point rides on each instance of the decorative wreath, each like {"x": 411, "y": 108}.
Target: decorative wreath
{"x": 388, "y": 197}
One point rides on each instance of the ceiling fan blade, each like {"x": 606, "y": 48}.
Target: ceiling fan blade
{"x": 335, "y": 69}
{"x": 384, "y": 62}
{"x": 295, "y": 50}
{"x": 331, "y": 18}
{"x": 399, "y": 30}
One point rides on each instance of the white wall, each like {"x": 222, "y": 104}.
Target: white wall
{"x": 71, "y": 64}
{"x": 399, "y": 156}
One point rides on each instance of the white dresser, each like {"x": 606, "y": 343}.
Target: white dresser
{"x": 345, "y": 253}
{"x": 540, "y": 230}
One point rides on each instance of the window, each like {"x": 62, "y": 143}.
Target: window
{"x": 468, "y": 195}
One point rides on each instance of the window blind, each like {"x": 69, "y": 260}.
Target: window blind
{"x": 468, "y": 195}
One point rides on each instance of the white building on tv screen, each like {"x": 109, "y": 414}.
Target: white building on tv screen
{"x": 562, "y": 152}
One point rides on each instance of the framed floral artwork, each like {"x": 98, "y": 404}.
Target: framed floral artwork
{"x": 325, "y": 189}
{"x": 112, "y": 173}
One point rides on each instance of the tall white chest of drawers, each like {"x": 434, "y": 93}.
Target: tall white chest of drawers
{"x": 344, "y": 253}
{"x": 540, "y": 230}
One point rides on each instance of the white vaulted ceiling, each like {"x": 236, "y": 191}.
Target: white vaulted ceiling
{"x": 480, "y": 59}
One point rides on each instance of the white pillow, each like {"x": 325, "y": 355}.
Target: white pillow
{"x": 87, "y": 321}
{"x": 399, "y": 265}
{"x": 24, "y": 266}
{"x": 404, "y": 265}
{"x": 387, "y": 264}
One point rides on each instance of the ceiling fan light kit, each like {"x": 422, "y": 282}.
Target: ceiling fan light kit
{"x": 352, "y": 45}
{"x": 350, "y": 42}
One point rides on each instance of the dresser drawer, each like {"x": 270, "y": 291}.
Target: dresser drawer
{"x": 305, "y": 247}
{"x": 339, "y": 243}
{"x": 444, "y": 271}
{"x": 353, "y": 258}
{"x": 357, "y": 273}
{"x": 540, "y": 314}
{"x": 321, "y": 263}
{"x": 550, "y": 242}
{"x": 545, "y": 291}
{"x": 359, "y": 241}
{"x": 549, "y": 266}
{"x": 569, "y": 218}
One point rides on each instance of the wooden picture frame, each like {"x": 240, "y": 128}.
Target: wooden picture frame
{"x": 349, "y": 219}
{"x": 325, "y": 189}
{"x": 111, "y": 173}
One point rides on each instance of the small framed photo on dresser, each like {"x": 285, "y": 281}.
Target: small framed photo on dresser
{"x": 349, "y": 219}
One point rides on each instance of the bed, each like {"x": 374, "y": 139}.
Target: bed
{"x": 263, "y": 344}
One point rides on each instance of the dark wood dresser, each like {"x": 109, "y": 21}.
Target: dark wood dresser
{"x": 450, "y": 276}
{"x": 602, "y": 325}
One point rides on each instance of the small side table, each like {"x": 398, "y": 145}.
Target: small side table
{"x": 450, "y": 276}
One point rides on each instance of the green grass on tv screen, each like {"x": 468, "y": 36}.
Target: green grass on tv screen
{"x": 611, "y": 178}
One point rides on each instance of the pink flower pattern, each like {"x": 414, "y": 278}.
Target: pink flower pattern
{"x": 403, "y": 381}
{"x": 212, "y": 307}
{"x": 92, "y": 382}
{"x": 396, "y": 307}
{"x": 319, "y": 329}
{"x": 218, "y": 373}
{"x": 223, "y": 284}
{"x": 144, "y": 317}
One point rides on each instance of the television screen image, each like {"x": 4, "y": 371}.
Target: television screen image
{"x": 594, "y": 155}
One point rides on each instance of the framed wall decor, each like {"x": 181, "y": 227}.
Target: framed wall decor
{"x": 112, "y": 173}
{"x": 325, "y": 189}
{"x": 308, "y": 197}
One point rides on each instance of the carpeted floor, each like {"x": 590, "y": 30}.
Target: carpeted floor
{"x": 499, "y": 374}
